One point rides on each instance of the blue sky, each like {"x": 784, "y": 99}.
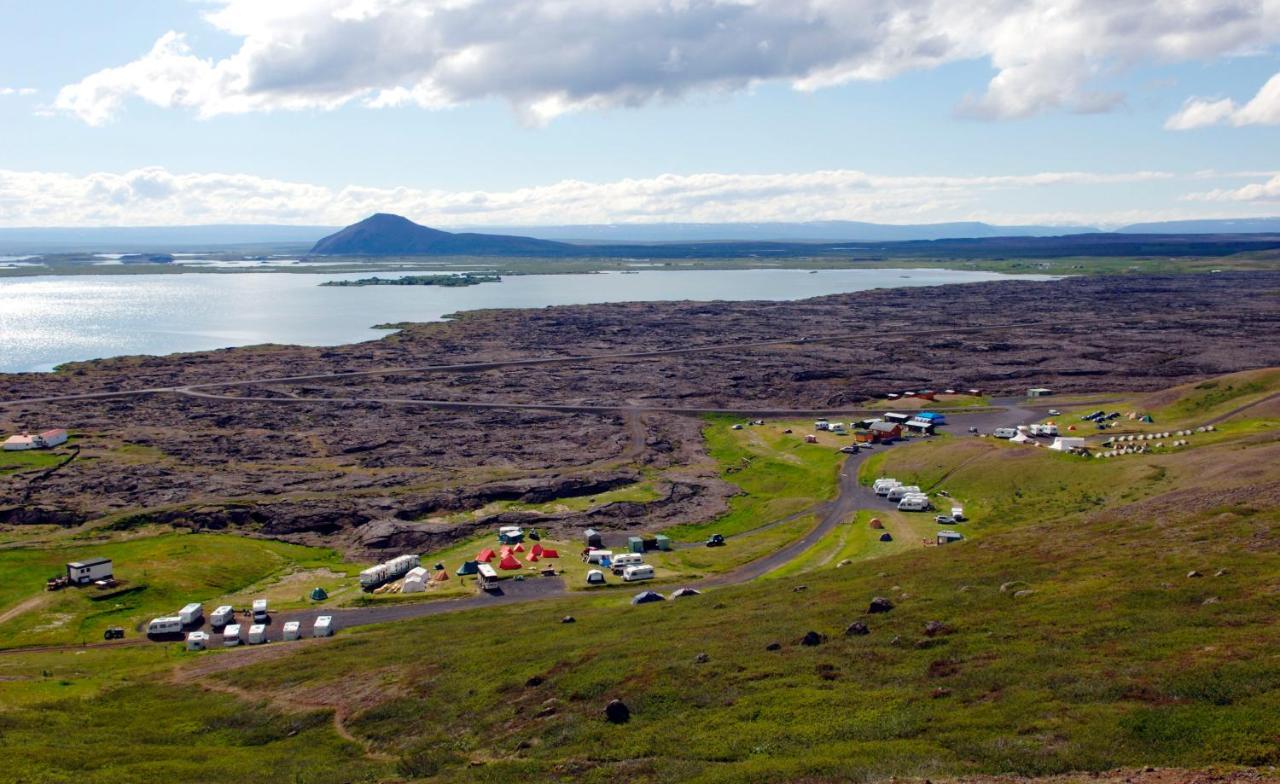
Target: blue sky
{"x": 264, "y": 116}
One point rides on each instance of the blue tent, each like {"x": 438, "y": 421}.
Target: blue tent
{"x": 884, "y": 537}
{"x": 468, "y": 567}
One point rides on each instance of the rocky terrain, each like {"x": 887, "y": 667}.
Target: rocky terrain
{"x": 353, "y": 461}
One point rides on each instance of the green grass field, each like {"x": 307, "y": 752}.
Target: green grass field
{"x": 1104, "y": 614}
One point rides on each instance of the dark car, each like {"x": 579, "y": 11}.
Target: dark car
{"x": 715, "y": 540}
{"x": 113, "y": 633}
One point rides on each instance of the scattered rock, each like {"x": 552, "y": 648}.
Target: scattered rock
{"x": 1211, "y": 600}
{"x": 856, "y": 629}
{"x": 943, "y": 668}
{"x": 965, "y": 588}
{"x": 800, "y": 588}
{"x": 1220, "y": 573}
{"x": 880, "y": 605}
{"x": 940, "y": 692}
{"x": 844, "y": 563}
{"x": 1024, "y": 593}
{"x": 535, "y": 681}
{"x": 1012, "y": 585}
{"x": 936, "y": 628}
{"x": 617, "y": 712}
{"x": 1194, "y": 573}
{"x": 812, "y": 638}
{"x": 773, "y": 646}
{"x": 568, "y": 619}
{"x": 548, "y": 708}
{"x": 896, "y": 641}
{"x": 702, "y": 658}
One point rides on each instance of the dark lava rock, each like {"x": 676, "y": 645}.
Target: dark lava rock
{"x": 936, "y": 629}
{"x": 800, "y": 588}
{"x": 940, "y": 692}
{"x": 536, "y": 680}
{"x": 880, "y": 605}
{"x": 617, "y": 712}
{"x": 1194, "y": 573}
{"x": 856, "y": 629}
{"x": 568, "y": 619}
{"x": 773, "y": 646}
{"x": 812, "y": 638}
{"x": 702, "y": 658}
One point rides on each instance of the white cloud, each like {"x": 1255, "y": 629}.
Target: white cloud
{"x": 1263, "y": 109}
{"x": 1256, "y": 191}
{"x": 17, "y": 91}
{"x": 156, "y": 196}
{"x": 551, "y": 57}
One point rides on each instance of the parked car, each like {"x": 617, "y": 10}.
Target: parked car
{"x": 1054, "y": 412}
{"x": 944, "y": 520}
{"x": 973, "y": 430}
{"x": 851, "y": 449}
{"x": 113, "y": 633}
{"x": 715, "y": 540}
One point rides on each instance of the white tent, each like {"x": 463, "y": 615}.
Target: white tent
{"x": 1066, "y": 444}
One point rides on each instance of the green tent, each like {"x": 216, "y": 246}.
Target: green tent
{"x": 468, "y": 567}
{"x": 319, "y": 595}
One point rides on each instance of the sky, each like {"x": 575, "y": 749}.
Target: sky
{"x": 539, "y": 112}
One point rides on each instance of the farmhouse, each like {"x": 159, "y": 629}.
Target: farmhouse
{"x": 883, "y": 432}
{"x": 82, "y": 572}
{"x": 46, "y": 440}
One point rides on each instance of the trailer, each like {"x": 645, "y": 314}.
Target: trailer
{"x": 638, "y": 572}
{"x": 902, "y": 491}
{"x": 323, "y": 626}
{"x": 883, "y": 485}
{"x": 373, "y": 576}
{"x": 191, "y": 614}
{"x": 169, "y": 624}
{"x": 222, "y": 616}
{"x": 260, "y": 611}
{"x": 257, "y": 634}
{"x": 196, "y": 641}
{"x": 292, "y": 630}
{"x": 231, "y": 636}
{"x": 914, "y": 503}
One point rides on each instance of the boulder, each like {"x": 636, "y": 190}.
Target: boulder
{"x": 773, "y": 646}
{"x": 617, "y": 712}
{"x": 812, "y": 638}
{"x": 702, "y": 658}
{"x": 856, "y": 629}
{"x": 936, "y": 628}
{"x": 880, "y": 605}
{"x": 568, "y": 619}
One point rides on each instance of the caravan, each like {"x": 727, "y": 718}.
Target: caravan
{"x": 914, "y": 503}
{"x": 884, "y": 485}
{"x": 170, "y": 624}
{"x": 902, "y": 491}
{"x": 222, "y": 616}
{"x": 191, "y": 614}
{"x": 231, "y": 636}
{"x": 260, "y": 611}
{"x": 621, "y": 563}
{"x": 637, "y": 572}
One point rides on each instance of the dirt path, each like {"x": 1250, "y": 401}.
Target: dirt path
{"x": 1241, "y": 409}
{"x": 25, "y": 605}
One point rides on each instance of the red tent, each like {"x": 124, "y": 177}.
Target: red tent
{"x": 519, "y": 548}
{"x": 485, "y": 556}
{"x": 533, "y": 557}
{"x": 509, "y": 562}
{"x": 537, "y": 549}
{"x": 504, "y": 551}
{"x": 547, "y": 552}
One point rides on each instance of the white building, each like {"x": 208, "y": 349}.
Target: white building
{"x": 83, "y": 572}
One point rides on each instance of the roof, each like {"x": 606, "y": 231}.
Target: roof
{"x": 90, "y": 562}
{"x": 883, "y": 427}
{"x": 929, "y": 415}
{"x": 57, "y": 431}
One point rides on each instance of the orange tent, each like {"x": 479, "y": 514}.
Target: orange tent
{"x": 547, "y": 552}
{"x": 509, "y": 562}
{"x": 440, "y": 576}
{"x": 486, "y": 555}
{"x": 875, "y": 523}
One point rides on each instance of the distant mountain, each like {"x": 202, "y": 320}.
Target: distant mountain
{"x": 140, "y": 239}
{"x": 1221, "y": 226}
{"x": 815, "y": 231}
{"x": 392, "y": 235}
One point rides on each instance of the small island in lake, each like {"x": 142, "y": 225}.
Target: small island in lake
{"x": 465, "y": 279}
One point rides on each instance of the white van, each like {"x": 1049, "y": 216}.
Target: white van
{"x": 222, "y": 616}
{"x": 637, "y": 572}
{"x": 260, "y": 611}
{"x": 323, "y": 626}
{"x": 257, "y": 634}
{"x": 231, "y": 635}
{"x": 1004, "y": 432}
{"x": 914, "y": 503}
{"x": 883, "y": 486}
{"x": 170, "y": 624}
{"x": 902, "y": 491}
{"x": 292, "y": 630}
{"x": 621, "y": 562}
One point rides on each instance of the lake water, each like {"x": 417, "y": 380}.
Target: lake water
{"x": 45, "y": 321}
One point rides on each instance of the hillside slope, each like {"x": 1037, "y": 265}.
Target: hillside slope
{"x": 391, "y": 235}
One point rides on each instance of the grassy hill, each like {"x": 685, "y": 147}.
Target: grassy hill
{"x": 1101, "y": 614}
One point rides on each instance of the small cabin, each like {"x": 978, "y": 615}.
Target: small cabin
{"x": 1039, "y": 392}
{"x": 594, "y": 538}
{"x": 84, "y": 572}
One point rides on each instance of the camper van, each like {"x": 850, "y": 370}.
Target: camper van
{"x": 1004, "y": 432}
{"x": 914, "y": 503}
{"x": 902, "y": 491}
{"x": 192, "y": 613}
{"x": 170, "y": 624}
{"x": 260, "y": 611}
{"x": 625, "y": 560}
{"x": 231, "y": 636}
{"x": 257, "y": 634}
{"x": 1044, "y": 430}
{"x": 637, "y": 572}
{"x": 222, "y": 616}
{"x": 196, "y": 641}
{"x": 883, "y": 486}
{"x": 292, "y": 630}
{"x": 821, "y": 424}
{"x": 598, "y": 556}
{"x": 323, "y": 626}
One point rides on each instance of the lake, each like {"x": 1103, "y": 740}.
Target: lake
{"x": 48, "y": 320}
